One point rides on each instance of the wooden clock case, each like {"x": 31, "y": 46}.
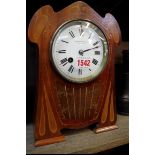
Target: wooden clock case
{"x": 63, "y": 104}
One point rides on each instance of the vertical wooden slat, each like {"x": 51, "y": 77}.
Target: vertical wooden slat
{"x": 42, "y": 120}
{"x": 67, "y": 102}
{"x": 84, "y": 112}
{"x": 105, "y": 109}
{"x": 62, "y": 99}
{"x": 70, "y": 100}
{"x": 74, "y": 104}
{"x": 80, "y": 102}
{"x": 112, "y": 108}
{"x": 90, "y": 107}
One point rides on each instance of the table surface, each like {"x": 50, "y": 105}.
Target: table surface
{"x": 83, "y": 140}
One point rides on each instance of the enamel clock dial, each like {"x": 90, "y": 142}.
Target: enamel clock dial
{"x": 79, "y": 51}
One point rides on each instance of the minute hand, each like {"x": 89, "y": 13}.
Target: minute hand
{"x": 89, "y": 49}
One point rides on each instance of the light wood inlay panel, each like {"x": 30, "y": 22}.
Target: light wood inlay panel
{"x": 105, "y": 109}
{"x": 51, "y": 118}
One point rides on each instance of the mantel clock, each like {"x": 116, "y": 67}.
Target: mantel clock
{"x": 76, "y": 70}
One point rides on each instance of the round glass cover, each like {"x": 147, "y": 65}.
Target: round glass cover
{"x": 79, "y": 51}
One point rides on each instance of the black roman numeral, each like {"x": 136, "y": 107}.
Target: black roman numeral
{"x": 94, "y": 61}
{"x": 61, "y": 51}
{"x": 89, "y": 36}
{"x": 64, "y": 41}
{"x": 64, "y": 61}
{"x": 81, "y": 30}
{"x": 71, "y": 68}
{"x": 80, "y": 71}
{"x": 95, "y": 43}
{"x": 97, "y": 52}
{"x": 89, "y": 69}
{"x": 72, "y": 34}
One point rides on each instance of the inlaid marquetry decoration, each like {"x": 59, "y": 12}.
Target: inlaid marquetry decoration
{"x": 75, "y": 86}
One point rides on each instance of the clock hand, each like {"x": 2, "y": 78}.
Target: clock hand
{"x": 90, "y": 49}
{"x": 81, "y": 51}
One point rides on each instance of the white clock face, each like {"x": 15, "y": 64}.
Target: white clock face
{"x": 79, "y": 51}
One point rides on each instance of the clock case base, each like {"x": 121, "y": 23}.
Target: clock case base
{"x": 107, "y": 128}
{"x": 55, "y": 109}
{"x": 62, "y": 138}
{"x": 49, "y": 141}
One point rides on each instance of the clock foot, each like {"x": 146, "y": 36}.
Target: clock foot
{"x": 107, "y": 128}
{"x": 49, "y": 140}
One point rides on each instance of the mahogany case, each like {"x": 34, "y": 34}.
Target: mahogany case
{"x": 63, "y": 104}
